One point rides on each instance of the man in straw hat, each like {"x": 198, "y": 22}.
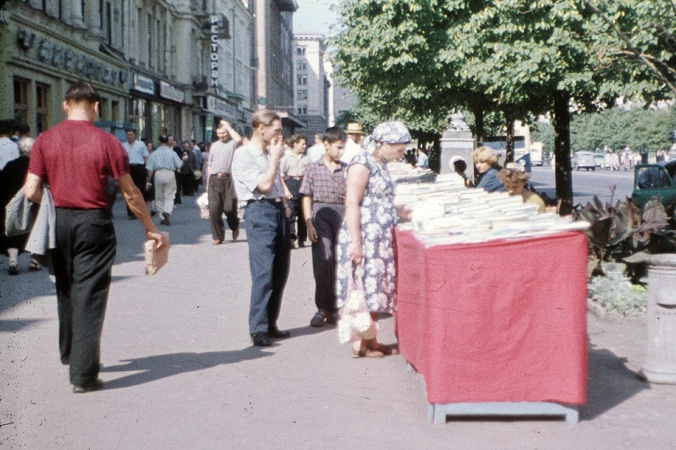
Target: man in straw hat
{"x": 355, "y": 135}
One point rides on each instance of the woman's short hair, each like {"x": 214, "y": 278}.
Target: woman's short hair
{"x": 296, "y": 138}
{"x": 484, "y": 154}
{"x": 513, "y": 176}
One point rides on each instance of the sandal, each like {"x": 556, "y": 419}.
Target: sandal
{"x": 361, "y": 351}
{"x": 386, "y": 350}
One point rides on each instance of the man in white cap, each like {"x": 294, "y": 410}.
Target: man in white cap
{"x": 353, "y": 145}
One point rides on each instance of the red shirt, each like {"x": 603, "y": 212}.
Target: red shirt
{"x": 75, "y": 158}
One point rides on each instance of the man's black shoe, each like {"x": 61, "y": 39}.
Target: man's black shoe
{"x": 89, "y": 387}
{"x": 279, "y": 334}
{"x": 261, "y": 340}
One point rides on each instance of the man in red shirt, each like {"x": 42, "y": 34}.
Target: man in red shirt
{"x": 75, "y": 158}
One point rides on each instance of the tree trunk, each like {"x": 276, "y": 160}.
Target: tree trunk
{"x": 562, "y": 171}
{"x": 479, "y": 124}
{"x": 509, "y": 140}
{"x": 435, "y": 154}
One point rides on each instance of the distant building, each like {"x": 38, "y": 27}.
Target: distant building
{"x": 341, "y": 100}
{"x": 273, "y": 42}
{"x": 311, "y": 87}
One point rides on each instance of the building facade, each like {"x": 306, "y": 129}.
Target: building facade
{"x": 311, "y": 87}
{"x": 274, "y": 60}
{"x": 341, "y": 100}
{"x": 161, "y": 66}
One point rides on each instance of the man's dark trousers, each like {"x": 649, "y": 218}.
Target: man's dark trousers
{"x": 83, "y": 258}
{"x": 138, "y": 175}
{"x": 222, "y": 199}
{"x": 327, "y": 221}
{"x": 267, "y": 234}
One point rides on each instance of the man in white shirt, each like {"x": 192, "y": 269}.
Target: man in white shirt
{"x": 353, "y": 145}
{"x": 316, "y": 152}
{"x": 258, "y": 181}
{"x": 138, "y": 157}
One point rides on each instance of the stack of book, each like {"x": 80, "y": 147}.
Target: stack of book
{"x": 446, "y": 212}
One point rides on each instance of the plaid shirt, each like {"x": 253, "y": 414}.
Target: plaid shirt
{"x": 324, "y": 185}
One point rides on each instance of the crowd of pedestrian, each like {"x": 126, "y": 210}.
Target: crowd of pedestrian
{"x": 338, "y": 195}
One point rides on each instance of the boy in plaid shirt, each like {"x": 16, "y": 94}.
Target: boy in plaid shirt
{"x": 323, "y": 192}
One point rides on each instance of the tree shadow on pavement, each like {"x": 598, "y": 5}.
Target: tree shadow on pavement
{"x": 156, "y": 367}
{"x": 609, "y": 384}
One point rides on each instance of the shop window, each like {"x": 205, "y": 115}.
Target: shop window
{"x": 21, "y": 100}
{"x": 115, "y": 110}
{"x": 41, "y": 107}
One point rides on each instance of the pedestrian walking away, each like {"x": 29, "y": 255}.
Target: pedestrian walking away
{"x": 74, "y": 158}
{"x": 220, "y": 186}
{"x": 323, "y": 192}
{"x": 258, "y": 182}
{"x": 163, "y": 164}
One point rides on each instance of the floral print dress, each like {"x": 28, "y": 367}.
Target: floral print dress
{"x": 378, "y": 217}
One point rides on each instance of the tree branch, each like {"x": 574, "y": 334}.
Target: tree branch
{"x": 637, "y": 54}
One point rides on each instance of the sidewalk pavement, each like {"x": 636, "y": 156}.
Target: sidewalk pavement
{"x": 180, "y": 371}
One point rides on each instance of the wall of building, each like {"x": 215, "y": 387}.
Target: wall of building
{"x": 151, "y": 60}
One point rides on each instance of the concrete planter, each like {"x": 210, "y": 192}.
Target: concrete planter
{"x": 659, "y": 365}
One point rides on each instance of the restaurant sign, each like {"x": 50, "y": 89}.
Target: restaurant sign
{"x": 171, "y": 92}
{"x": 221, "y": 108}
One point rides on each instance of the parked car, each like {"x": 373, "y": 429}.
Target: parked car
{"x": 583, "y": 160}
{"x": 655, "y": 179}
{"x": 600, "y": 160}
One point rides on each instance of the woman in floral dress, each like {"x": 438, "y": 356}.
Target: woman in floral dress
{"x": 366, "y": 235}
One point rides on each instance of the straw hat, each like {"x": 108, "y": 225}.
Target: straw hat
{"x": 354, "y": 128}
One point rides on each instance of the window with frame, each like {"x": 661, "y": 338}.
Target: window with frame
{"x": 301, "y": 94}
{"x": 301, "y": 65}
{"x": 300, "y": 51}
{"x": 301, "y": 80}
{"x": 21, "y": 100}
{"x": 41, "y": 107}
{"x": 302, "y": 110}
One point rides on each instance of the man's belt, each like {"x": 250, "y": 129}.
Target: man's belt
{"x": 294, "y": 178}
{"x": 220, "y": 174}
{"x": 273, "y": 200}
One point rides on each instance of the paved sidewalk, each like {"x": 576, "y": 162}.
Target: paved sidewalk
{"x": 180, "y": 371}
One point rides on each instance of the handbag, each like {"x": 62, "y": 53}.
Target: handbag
{"x": 355, "y": 319}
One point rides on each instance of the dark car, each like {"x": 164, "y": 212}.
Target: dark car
{"x": 655, "y": 179}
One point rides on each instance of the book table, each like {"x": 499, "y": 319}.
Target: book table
{"x": 495, "y": 328}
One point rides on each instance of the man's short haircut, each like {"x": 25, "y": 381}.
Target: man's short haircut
{"x": 334, "y": 134}
{"x": 6, "y": 126}
{"x": 82, "y": 91}
{"x": 296, "y": 138}
{"x": 459, "y": 165}
{"x": 264, "y": 117}
{"x": 127, "y": 130}
{"x": 23, "y": 129}
{"x": 163, "y": 139}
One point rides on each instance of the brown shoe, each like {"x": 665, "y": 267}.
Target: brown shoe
{"x": 235, "y": 234}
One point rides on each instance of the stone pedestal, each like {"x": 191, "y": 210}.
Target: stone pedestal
{"x": 659, "y": 365}
{"x": 457, "y": 142}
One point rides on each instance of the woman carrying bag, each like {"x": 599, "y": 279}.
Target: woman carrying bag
{"x": 365, "y": 249}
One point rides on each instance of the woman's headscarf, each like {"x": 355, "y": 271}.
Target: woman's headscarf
{"x": 391, "y": 132}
